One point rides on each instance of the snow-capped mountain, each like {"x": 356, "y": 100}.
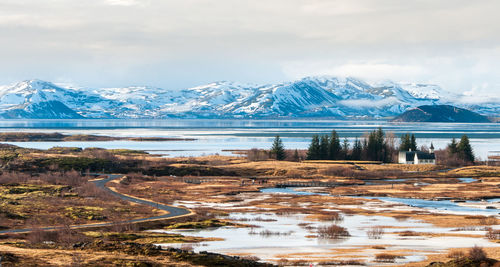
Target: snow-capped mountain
{"x": 309, "y": 97}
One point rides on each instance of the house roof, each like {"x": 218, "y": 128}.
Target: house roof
{"x": 410, "y": 155}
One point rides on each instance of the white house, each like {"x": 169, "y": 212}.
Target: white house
{"x": 417, "y": 157}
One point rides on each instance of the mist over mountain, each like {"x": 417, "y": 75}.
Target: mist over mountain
{"x": 311, "y": 97}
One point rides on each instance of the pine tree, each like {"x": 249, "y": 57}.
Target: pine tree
{"x": 452, "y": 147}
{"x": 278, "y": 150}
{"x": 313, "y": 152}
{"x": 364, "y": 151}
{"x": 334, "y": 149}
{"x": 324, "y": 143}
{"x": 357, "y": 149}
{"x": 405, "y": 142}
{"x": 345, "y": 149}
{"x": 465, "y": 150}
{"x": 376, "y": 147}
{"x": 413, "y": 143}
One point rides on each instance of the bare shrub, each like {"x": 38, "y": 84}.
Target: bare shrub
{"x": 255, "y": 154}
{"x": 375, "y": 232}
{"x": 477, "y": 254}
{"x": 456, "y": 254}
{"x": 333, "y": 231}
{"x": 386, "y": 257}
{"x": 267, "y": 233}
{"x": 260, "y": 219}
{"x": 296, "y": 155}
{"x": 492, "y": 234}
{"x": 14, "y": 177}
{"x": 331, "y": 216}
{"x": 444, "y": 157}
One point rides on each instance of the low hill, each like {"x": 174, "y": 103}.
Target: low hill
{"x": 440, "y": 113}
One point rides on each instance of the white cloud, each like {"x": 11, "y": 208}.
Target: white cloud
{"x": 453, "y": 43}
{"x": 123, "y": 2}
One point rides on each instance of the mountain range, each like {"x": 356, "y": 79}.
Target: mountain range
{"x": 319, "y": 97}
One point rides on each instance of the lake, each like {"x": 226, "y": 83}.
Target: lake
{"x": 215, "y": 136}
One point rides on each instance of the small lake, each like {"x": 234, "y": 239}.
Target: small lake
{"x": 441, "y": 205}
{"x": 215, "y": 136}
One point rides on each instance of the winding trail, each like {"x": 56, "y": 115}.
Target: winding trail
{"x": 172, "y": 212}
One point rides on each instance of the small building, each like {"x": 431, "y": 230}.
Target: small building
{"x": 417, "y": 157}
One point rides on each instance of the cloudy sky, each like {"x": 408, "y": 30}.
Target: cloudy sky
{"x": 183, "y": 43}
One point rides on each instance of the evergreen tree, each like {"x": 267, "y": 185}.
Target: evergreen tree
{"x": 345, "y": 149}
{"x": 314, "y": 149}
{"x": 376, "y": 147}
{"x": 452, "y": 147}
{"x": 413, "y": 143}
{"x": 334, "y": 149}
{"x": 324, "y": 143}
{"x": 364, "y": 152}
{"x": 465, "y": 150}
{"x": 405, "y": 142}
{"x": 357, "y": 149}
{"x": 278, "y": 150}
{"x": 408, "y": 142}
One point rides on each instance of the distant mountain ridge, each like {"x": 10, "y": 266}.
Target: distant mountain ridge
{"x": 321, "y": 97}
{"x": 440, "y": 113}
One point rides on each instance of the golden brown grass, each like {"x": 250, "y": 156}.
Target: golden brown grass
{"x": 57, "y": 257}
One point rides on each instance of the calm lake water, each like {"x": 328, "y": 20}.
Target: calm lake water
{"x": 215, "y": 136}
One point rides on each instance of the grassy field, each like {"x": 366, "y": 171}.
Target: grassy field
{"x": 48, "y": 187}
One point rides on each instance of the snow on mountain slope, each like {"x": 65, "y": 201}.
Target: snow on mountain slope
{"x": 309, "y": 97}
{"x": 428, "y": 91}
{"x": 27, "y": 93}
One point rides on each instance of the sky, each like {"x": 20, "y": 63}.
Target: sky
{"x": 177, "y": 44}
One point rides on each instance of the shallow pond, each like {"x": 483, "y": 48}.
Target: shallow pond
{"x": 294, "y": 236}
{"x": 467, "y": 180}
{"x": 441, "y": 205}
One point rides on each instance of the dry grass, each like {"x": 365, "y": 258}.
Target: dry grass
{"x": 58, "y": 257}
{"x": 475, "y": 171}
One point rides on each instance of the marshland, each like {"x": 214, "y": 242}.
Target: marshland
{"x": 249, "y": 208}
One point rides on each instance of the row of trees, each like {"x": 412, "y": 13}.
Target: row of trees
{"x": 375, "y": 146}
